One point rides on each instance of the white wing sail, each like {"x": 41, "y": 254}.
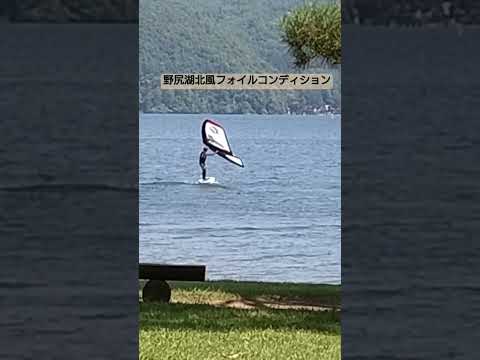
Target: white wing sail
{"x": 215, "y": 137}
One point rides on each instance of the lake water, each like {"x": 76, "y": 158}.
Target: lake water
{"x": 277, "y": 219}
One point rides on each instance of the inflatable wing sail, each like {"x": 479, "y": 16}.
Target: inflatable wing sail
{"x": 215, "y": 137}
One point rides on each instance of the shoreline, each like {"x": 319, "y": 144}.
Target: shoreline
{"x": 254, "y": 294}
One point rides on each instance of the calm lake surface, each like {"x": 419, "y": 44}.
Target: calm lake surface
{"x": 277, "y": 219}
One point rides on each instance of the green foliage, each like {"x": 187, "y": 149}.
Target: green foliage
{"x": 216, "y": 36}
{"x": 314, "y": 31}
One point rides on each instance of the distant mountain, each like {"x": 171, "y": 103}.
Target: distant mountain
{"x": 217, "y": 36}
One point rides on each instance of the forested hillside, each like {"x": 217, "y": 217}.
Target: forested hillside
{"x": 217, "y": 36}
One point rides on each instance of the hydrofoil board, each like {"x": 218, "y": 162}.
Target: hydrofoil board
{"x": 209, "y": 180}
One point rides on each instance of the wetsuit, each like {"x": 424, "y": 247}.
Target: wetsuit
{"x": 203, "y": 164}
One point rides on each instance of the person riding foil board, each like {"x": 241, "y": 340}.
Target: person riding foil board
{"x": 203, "y": 161}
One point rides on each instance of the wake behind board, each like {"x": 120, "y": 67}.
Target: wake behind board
{"x": 210, "y": 180}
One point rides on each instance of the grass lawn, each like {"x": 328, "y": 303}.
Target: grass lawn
{"x": 233, "y": 320}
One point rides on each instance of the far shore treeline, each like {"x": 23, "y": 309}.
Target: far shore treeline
{"x": 215, "y": 36}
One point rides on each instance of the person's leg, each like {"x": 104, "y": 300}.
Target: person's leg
{"x": 204, "y": 172}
